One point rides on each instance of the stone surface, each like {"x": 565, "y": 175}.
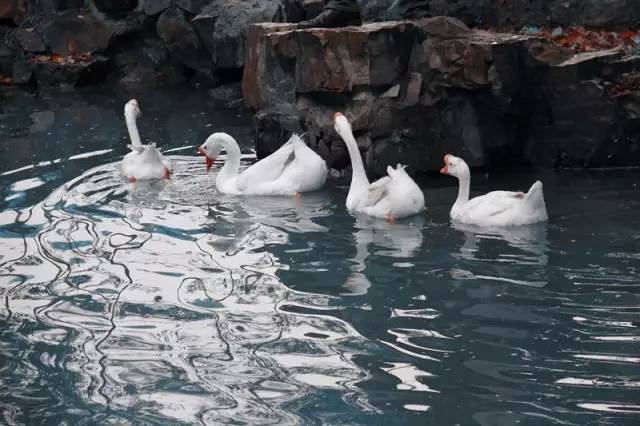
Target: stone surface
{"x": 232, "y": 19}
{"x": 70, "y": 32}
{"x": 153, "y": 7}
{"x": 181, "y": 38}
{"x": 493, "y": 98}
{"x": 50, "y": 72}
{"x": 30, "y": 40}
{"x": 192, "y": 6}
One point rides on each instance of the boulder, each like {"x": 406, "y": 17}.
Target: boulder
{"x": 192, "y": 6}
{"x": 54, "y": 71}
{"x": 153, "y": 7}
{"x": 30, "y": 40}
{"x": 226, "y": 39}
{"x": 22, "y": 71}
{"x": 181, "y": 39}
{"x": 71, "y": 32}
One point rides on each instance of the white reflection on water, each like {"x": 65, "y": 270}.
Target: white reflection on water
{"x": 168, "y": 297}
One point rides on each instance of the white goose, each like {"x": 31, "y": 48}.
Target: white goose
{"x": 497, "y": 208}
{"x": 144, "y": 162}
{"x": 291, "y": 170}
{"x": 392, "y": 197}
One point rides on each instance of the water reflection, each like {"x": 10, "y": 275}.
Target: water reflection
{"x": 374, "y": 236}
{"x": 163, "y": 314}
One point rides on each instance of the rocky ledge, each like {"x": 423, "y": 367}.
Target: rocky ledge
{"x": 417, "y": 89}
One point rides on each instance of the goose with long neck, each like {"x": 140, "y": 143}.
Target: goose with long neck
{"x": 497, "y": 208}
{"x": 393, "y": 197}
{"x": 291, "y": 170}
{"x": 144, "y": 162}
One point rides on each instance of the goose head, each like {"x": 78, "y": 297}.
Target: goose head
{"x": 342, "y": 125}
{"x": 132, "y": 109}
{"x": 454, "y": 166}
{"x": 211, "y": 148}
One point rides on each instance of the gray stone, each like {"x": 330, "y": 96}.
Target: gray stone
{"x": 72, "y": 32}
{"x": 181, "y": 38}
{"x": 153, "y": 7}
{"x": 30, "y": 40}
{"x": 192, "y": 6}
{"x": 22, "y": 72}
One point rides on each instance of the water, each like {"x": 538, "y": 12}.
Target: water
{"x": 171, "y": 304}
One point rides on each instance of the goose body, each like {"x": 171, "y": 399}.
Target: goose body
{"x": 144, "y": 162}
{"x": 292, "y": 169}
{"x": 497, "y": 208}
{"x": 392, "y": 197}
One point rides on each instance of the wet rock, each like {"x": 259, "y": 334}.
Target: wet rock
{"x": 153, "y": 7}
{"x": 273, "y": 129}
{"x": 30, "y": 40}
{"x": 70, "y": 32}
{"x": 13, "y": 9}
{"x": 181, "y": 38}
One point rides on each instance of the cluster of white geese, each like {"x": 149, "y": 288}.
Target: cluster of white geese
{"x": 295, "y": 168}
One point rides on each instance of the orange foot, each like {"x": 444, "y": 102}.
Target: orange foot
{"x": 297, "y": 196}
{"x": 132, "y": 179}
{"x": 167, "y": 173}
{"x": 391, "y": 218}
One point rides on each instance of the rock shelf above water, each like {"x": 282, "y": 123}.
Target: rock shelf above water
{"x": 415, "y": 90}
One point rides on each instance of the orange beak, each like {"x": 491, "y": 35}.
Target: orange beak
{"x": 337, "y": 115}
{"x": 208, "y": 160}
{"x": 445, "y": 169}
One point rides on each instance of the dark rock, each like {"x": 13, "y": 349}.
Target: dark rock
{"x": 153, "y": 7}
{"x": 22, "y": 72}
{"x": 273, "y": 129}
{"x": 181, "y": 38}
{"x": 60, "y": 5}
{"x": 268, "y": 78}
{"x": 232, "y": 19}
{"x": 111, "y": 7}
{"x": 30, "y": 40}
{"x": 227, "y": 93}
{"x": 13, "y": 9}
{"x": 71, "y": 32}
{"x": 67, "y": 74}
{"x": 192, "y": 6}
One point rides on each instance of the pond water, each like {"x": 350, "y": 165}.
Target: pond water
{"x": 168, "y": 303}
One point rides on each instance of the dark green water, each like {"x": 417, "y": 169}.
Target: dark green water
{"x": 172, "y": 304}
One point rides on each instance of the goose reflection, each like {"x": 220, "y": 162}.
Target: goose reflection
{"x": 398, "y": 240}
{"x": 525, "y": 254}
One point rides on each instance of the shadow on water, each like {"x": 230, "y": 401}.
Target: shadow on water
{"x": 170, "y": 303}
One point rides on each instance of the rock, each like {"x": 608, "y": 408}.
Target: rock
{"x": 119, "y": 7}
{"x": 70, "y": 32}
{"x": 30, "y": 40}
{"x": 13, "y": 9}
{"x": 153, "y": 7}
{"x": 232, "y": 19}
{"x": 181, "y": 38}
{"x": 273, "y": 129}
{"x": 338, "y": 60}
{"x": 67, "y": 73}
{"x": 22, "y": 72}
{"x": 192, "y": 6}
{"x": 268, "y": 80}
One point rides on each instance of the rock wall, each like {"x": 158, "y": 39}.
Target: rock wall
{"x": 134, "y": 42}
{"x": 415, "y": 90}
{"x": 509, "y": 14}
